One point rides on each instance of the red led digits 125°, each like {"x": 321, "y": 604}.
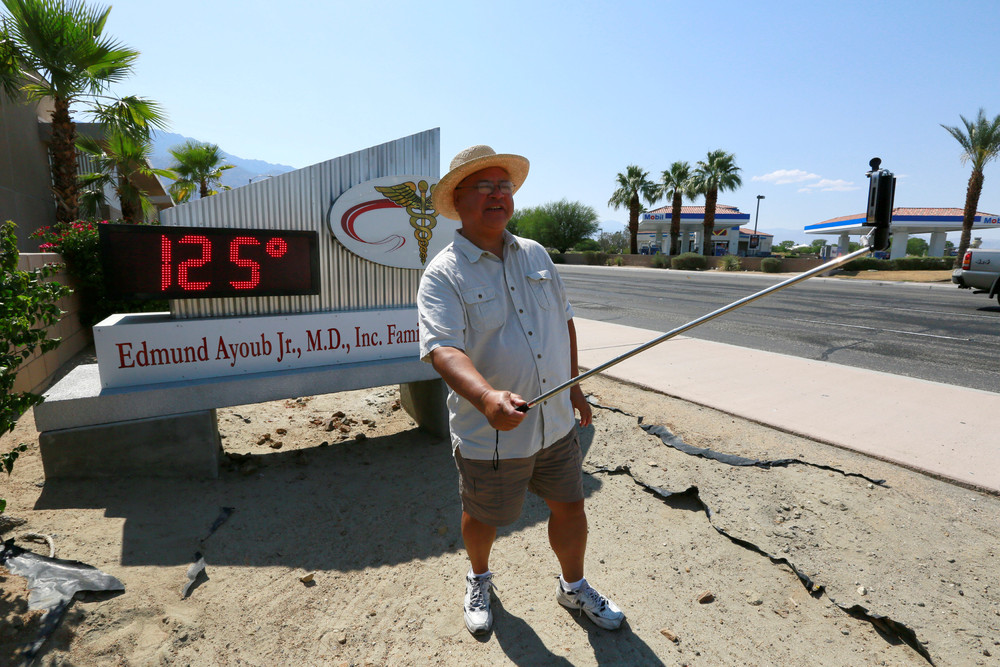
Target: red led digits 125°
{"x": 174, "y": 262}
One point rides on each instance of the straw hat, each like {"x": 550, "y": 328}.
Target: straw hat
{"x": 470, "y": 161}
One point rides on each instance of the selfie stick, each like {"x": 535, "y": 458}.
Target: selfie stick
{"x": 880, "y": 197}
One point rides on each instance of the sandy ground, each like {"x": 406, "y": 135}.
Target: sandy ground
{"x": 802, "y": 562}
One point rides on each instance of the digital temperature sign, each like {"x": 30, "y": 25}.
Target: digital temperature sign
{"x": 164, "y": 262}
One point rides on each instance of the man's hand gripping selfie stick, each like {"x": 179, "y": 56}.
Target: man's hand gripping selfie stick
{"x": 881, "y": 190}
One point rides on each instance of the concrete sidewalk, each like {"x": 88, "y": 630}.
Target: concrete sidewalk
{"x": 943, "y": 430}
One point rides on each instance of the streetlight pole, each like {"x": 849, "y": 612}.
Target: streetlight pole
{"x": 756, "y": 216}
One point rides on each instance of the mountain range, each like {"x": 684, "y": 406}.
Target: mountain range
{"x": 243, "y": 172}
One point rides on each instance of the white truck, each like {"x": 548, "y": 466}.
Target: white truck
{"x": 980, "y": 271}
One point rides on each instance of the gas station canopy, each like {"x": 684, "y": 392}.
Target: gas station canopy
{"x": 727, "y": 236}
{"x": 905, "y": 221}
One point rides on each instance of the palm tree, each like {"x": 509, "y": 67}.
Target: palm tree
{"x": 54, "y": 49}
{"x": 717, "y": 173}
{"x": 675, "y": 184}
{"x": 980, "y": 143}
{"x": 119, "y": 159}
{"x": 197, "y": 166}
{"x": 632, "y": 185}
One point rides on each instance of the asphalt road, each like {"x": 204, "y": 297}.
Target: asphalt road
{"x": 929, "y": 331}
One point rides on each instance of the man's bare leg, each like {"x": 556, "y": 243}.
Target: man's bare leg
{"x": 478, "y": 538}
{"x": 568, "y": 537}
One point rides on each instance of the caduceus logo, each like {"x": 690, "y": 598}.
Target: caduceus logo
{"x": 416, "y": 198}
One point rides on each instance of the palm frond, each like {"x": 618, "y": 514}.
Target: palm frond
{"x": 980, "y": 140}
{"x": 62, "y": 40}
{"x": 131, "y": 115}
{"x": 11, "y": 74}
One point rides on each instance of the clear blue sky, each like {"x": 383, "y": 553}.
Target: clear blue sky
{"x": 806, "y": 90}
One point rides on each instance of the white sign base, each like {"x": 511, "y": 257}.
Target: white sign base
{"x": 152, "y": 348}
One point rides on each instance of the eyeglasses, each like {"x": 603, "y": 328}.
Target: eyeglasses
{"x": 488, "y": 187}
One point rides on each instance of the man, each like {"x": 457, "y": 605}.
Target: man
{"x": 496, "y": 325}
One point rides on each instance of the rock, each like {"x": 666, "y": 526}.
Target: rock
{"x": 307, "y": 578}
{"x": 344, "y": 428}
{"x": 862, "y": 590}
{"x": 276, "y": 444}
{"x": 8, "y": 522}
{"x": 669, "y": 635}
{"x": 360, "y": 437}
{"x": 281, "y": 431}
{"x": 264, "y": 438}
{"x": 342, "y": 638}
{"x": 753, "y": 598}
{"x": 339, "y": 414}
{"x": 705, "y": 597}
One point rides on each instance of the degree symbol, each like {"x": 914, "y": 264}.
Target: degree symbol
{"x": 276, "y": 247}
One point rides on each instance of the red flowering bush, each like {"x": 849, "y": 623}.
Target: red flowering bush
{"x": 68, "y": 239}
{"x": 79, "y": 244}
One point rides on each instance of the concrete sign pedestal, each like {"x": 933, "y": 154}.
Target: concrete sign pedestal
{"x": 184, "y": 445}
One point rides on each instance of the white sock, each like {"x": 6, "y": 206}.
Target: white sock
{"x": 473, "y": 575}
{"x": 570, "y": 587}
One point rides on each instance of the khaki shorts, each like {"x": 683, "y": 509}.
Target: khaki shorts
{"x": 495, "y": 497}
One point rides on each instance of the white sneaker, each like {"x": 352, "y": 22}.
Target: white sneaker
{"x": 478, "y": 615}
{"x": 600, "y": 609}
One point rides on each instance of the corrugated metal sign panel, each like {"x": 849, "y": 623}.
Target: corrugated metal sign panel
{"x": 302, "y": 200}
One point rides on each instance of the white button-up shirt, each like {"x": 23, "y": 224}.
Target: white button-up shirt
{"x": 509, "y": 316}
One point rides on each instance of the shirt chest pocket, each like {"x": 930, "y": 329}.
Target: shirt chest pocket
{"x": 483, "y": 307}
{"x": 541, "y": 287}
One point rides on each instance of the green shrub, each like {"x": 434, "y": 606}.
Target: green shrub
{"x": 587, "y": 244}
{"x": 730, "y": 263}
{"x": 770, "y": 265}
{"x": 28, "y": 306}
{"x": 595, "y": 258}
{"x": 901, "y": 264}
{"x": 557, "y": 257}
{"x": 689, "y": 261}
{"x": 616, "y": 261}
{"x": 661, "y": 262}
{"x": 923, "y": 263}
{"x": 79, "y": 245}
